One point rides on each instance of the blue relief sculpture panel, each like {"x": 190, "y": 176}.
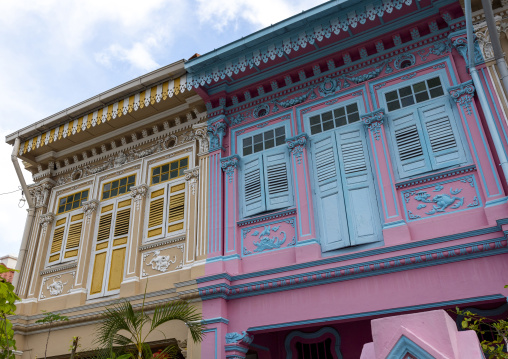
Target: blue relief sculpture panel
{"x": 453, "y": 195}
{"x": 269, "y": 236}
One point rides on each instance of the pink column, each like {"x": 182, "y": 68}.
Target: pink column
{"x": 395, "y": 229}
{"x": 307, "y": 247}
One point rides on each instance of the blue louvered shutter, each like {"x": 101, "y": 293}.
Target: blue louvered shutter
{"x": 253, "y": 186}
{"x": 442, "y": 136}
{"x": 277, "y": 178}
{"x": 360, "y": 197}
{"x": 330, "y": 208}
{"x": 411, "y": 152}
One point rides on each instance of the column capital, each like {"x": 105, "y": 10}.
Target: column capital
{"x": 192, "y": 176}
{"x": 459, "y": 41}
{"x": 201, "y": 133}
{"x": 373, "y": 121}
{"x": 40, "y": 192}
{"x": 47, "y": 219}
{"x": 237, "y": 345}
{"x": 229, "y": 164}
{"x": 138, "y": 193}
{"x": 296, "y": 144}
{"x": 463, "y": 94}
{"x": 89, "y": 208}
{"x": 217, "y": 131}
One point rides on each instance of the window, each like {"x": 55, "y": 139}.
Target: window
{"x": 425, "y": 133}
{"x": 166, "y": 209}
{"x": 66, "y": 235}
{"x": 319, "y": 350}
{"x": 71, "y": 202}
{"x": 333, "y": 119}
{"x": 266, "y": 179}
{"x": 118, "y": 187}
{"x": 169, "y": 171}
{"x": 264, "y": 141}
{"x": 110, "y": 246}
{"x": 416, "y": 93}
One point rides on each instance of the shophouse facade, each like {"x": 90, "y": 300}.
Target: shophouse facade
{"x": 120, "y": 181}
{"x": 352, "y": 177}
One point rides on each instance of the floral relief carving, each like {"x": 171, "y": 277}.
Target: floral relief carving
{"x": 161, "y": 263}
{"x": 463, "y": 95}
{"x": 296, "y": 146}
{"x": 46, "y": 219}
{"x": 89, "y": 208}
{"x": 57, "y": 285}
{"x": 138, "y": 193}
{"x": 40, "y": 192}
{"x": 162, "y": 260}
{"x": 192, "y": 176}
{"x": 373, "y": 121}
{"x": 268, "y": 236}
{"x": 216, "y": 131}
{"x": 229, "y": 165}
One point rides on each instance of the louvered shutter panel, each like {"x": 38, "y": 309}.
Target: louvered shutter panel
{"x": 119, "y": 245}
{"x": 330, "y": 207}
{"x": 412, "y": 156}
{"x": 101, "y": 249}
{"x": 278, "y": 182}
{"x": 176, "y": 209}
{"x": 73, "y": 236}
{"x": 363, "y": 217}
{"x": 155, "y": 227}
{"x": 441, "y": 133}
{"x": 253, "y": 186}
{"x": 57, "y": 240}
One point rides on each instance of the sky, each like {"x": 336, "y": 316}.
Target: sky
{"x": 56, "y": 53}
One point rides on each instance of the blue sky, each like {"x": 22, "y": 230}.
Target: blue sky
{"x": 56, "y": 53}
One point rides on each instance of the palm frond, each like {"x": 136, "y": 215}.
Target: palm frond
{"x": 179, "y": 310}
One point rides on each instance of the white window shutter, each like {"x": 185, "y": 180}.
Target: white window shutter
{"x": 441, "y": 134}
{"x": 253, "y": 187}
{"x": 331, "y": 211}
{"x": 412, "y": 157}
{"x": 360, "y": 196}
{"x": 278, "y": 182}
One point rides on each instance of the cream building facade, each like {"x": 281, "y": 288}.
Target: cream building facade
{"x": 120, "y": 181}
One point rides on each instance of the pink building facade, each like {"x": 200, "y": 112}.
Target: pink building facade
{"x": 352, "y": 178}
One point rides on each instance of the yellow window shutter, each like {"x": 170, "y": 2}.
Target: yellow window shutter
{"x": 156, "y": 213}
{"x": 176, "y": 211}
{"x": 56, "y": 244}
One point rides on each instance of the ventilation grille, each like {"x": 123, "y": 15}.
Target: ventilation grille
{"x": 253, "y": 185}
{"x": 156, "y": 213}
{"x": 104, "y": 227}
{"x": 176, "y": 207}
{"x": 122, "y": 222}
{"x": 325, "y": 164}
{"x": 277, "y": 178}
{"x": 73, "y": 236}
{"x": 353, "y": 157}
{"x": 57, "y": 240}
{"x": 441, "y": 135}
{"x": 408, "y": 143}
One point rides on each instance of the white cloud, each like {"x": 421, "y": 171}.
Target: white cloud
{"x": 261, "y": 13}
{"x": 138, "y": 55}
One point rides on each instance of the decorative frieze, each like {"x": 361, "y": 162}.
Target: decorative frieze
{"x": 162, "y": 260}
{"x": 53, "y": 286}
{"x": 373, "y": 121}
{"x": 269, "y": 236}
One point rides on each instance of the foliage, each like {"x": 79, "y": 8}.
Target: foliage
{"x": 481, "y": 325}
{"x": 50, "y": 318}
{"x": 122, "y": 328}
{"x": 7, "y": 307}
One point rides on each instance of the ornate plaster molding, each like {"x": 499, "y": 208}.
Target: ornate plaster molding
{"x": 46, "y": 220}
{"x": 192, "y": 176}
{"x": 138, "y": 193}
{"x": 229, "y": 165}
{"x": 217, "y": 131}
{"x": 373, "y": 121}
{"x": 40, "y": 192}
{"x": 459, "y": 42}
{"x": 89, "y": 208}
{"x": 463, "y": 95}
{"x": 296, "y": 145}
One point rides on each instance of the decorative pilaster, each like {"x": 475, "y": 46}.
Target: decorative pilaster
{"x": 40, "y": 192}
{"x": 230, "y": 166}
{"x": 192, "y": 179}
{"x": 89, "y": 209}
{"x": 237, "y": 345}
{"x": 296, "y": 146}
{"x": 459, "y": 41}
{"x": 380, "y": 158}
{"x": 463, "y": 95}
{"x": 201, "y": 133}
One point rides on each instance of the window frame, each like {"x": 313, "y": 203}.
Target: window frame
{"x": 167, "y": 185}
{"x": 72, "y": 194}
{"x": 306, "y": 117}
{"x": 68, "y": 215}
{"x": 118, "y": 179}
{"x": 152, "y": 168}
{"x": 261, "y": 154}
{"x": 423, "y": 134}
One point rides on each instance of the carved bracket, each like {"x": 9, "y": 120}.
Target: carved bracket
{"x": 296, "y": 145}
{"x": 459, "y": 41}
{"x": 373, "y": 121}
{"x": 217, "y": 131}
{"x": 138, "y": 193}
{"x": 229, "y": 164}
{"x": 46, "y": 219}
{"x": 463, "y": 95}
{"x": 192, "y": 176}
{"x": 40, "y": 192}
{"x": 89, "y": 208}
